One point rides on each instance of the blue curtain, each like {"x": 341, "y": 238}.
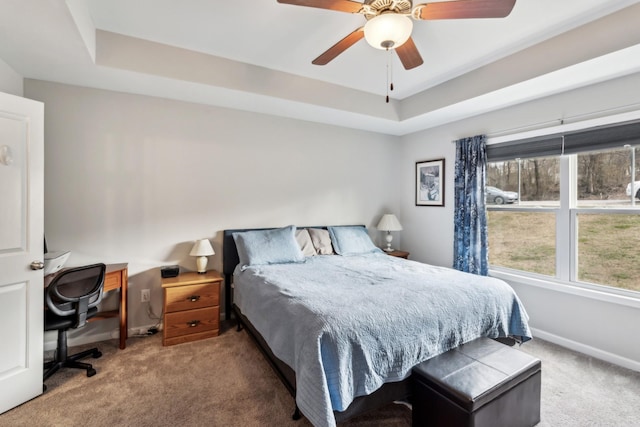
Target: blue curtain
{"x": 470, "y": 247}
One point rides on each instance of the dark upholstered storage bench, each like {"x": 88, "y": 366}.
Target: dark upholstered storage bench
{"x": 480, "y": 384}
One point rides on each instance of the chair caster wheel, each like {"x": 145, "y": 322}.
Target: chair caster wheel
{"x": 97, "y": 354}
{"x": 91, "y": 372}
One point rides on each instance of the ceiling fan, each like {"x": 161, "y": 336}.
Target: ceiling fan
{"x": 389, "y": 22}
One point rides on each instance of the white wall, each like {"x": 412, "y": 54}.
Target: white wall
{"x": 10, "y": 80}
{"x": 137, "y": 179}
{"x": 578, "y": 320}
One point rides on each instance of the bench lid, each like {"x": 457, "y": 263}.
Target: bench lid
{"x": 477, "y": 372}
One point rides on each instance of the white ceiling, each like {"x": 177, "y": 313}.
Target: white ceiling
{"x": 256, "y": 56}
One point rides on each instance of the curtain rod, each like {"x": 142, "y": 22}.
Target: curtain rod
{"x": 563, "y": 121}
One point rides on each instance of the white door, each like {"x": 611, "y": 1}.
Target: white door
{"x": 21, "y": 243}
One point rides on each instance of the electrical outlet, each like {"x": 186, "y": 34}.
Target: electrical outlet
{"x": 145, "y": 295}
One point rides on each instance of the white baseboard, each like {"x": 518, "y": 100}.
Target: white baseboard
{"x": 51, "y": 344}
{"x": 588, "y": 350}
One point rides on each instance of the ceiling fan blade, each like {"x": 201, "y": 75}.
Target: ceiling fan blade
{"x": 409, "y": 55}
{"x": 464, "y": 9}
{"x": 339, "y": 47}
{"x": 339, "y": 5}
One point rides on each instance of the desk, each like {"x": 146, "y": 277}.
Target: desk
{"x": 116, "y": 277}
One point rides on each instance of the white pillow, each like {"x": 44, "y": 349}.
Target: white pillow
{"x": 304, "y": 240}
{"x": 321, "y": 241}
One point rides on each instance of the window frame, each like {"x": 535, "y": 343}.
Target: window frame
{"x": 566, "y": 272}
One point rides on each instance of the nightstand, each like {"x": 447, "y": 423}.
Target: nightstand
{"x": 191, "y": 307}
{"x": 398, "y": 253}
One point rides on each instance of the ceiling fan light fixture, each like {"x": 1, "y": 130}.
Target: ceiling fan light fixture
{"x": 388, "y": 30}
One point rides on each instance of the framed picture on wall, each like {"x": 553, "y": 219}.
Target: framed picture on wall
{"x": 430, "y": 183}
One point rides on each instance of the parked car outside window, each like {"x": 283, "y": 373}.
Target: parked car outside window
{"x": 500, "y": 197}
{"x": 636, "y": 188}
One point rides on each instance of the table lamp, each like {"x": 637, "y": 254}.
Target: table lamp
{"x": 202, "y": 249}
{"x": 389, "y": 223}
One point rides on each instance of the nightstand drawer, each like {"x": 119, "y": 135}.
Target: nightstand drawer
{"x": 192, "y": 321}
{"x": 192, "y": 296}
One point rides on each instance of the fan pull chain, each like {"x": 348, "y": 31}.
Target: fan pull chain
{"x": 387, "y": 85}
{"x": 389, "y": 74}
{"x": 390, "y": 58}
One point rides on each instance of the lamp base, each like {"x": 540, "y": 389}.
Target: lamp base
{"x": 201, "y": 263}
{"x": 388, "y": 249}
{"x": 389, "y": 238}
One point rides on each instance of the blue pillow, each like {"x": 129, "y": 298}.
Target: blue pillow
{"x": 351, "y": 241}
{"x": 273, "y": 246}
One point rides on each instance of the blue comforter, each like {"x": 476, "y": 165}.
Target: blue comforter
{"x": 346, "y": 325}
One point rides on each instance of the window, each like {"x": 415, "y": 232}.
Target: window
{"x": 566, "y": 207}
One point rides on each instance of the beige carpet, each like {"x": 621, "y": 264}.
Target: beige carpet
{"x": 225, "y": 381}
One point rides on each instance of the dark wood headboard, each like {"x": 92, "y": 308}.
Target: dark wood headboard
{"x": 230, "y": 259}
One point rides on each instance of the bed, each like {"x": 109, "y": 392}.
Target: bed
{"x": 342, "y": 323}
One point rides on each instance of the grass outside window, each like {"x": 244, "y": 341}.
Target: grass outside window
{"x": 609, "y": 250}
{"x": 608, "y": 246}
{"x": 523, "y": 241}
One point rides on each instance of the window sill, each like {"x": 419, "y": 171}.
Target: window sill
{"x": 615, "y": 296}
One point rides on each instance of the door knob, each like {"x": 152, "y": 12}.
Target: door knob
{"x": 37, "y": 265}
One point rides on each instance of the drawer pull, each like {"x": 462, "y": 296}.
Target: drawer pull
{"x": 193, "y": 298}
{"x": 193, "y": 323}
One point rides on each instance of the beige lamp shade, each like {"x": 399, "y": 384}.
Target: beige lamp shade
{"x": 389, "y": 223}
{"x": 202, "y": 249}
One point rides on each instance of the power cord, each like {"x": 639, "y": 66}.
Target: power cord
{"x": 155, "y": 328}
{"x": 152, "y": 315}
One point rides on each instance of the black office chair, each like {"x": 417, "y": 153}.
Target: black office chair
{"x": 72, "y": 298}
